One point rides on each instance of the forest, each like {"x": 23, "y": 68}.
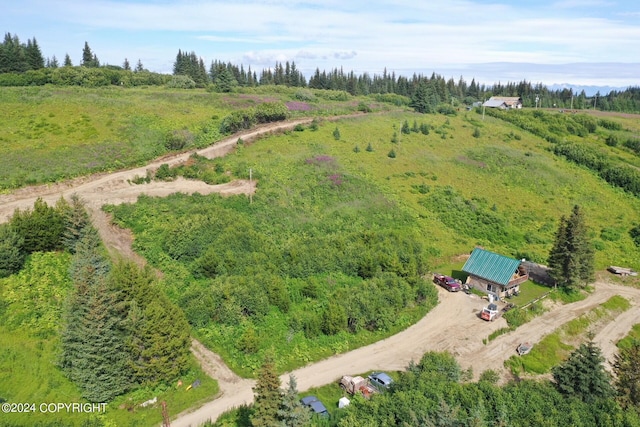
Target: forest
{"x": 23, "y": 64}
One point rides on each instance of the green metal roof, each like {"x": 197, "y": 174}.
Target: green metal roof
{"x": 491, "y": 266}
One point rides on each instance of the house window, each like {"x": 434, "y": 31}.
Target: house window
{"x": 489, "y": 287}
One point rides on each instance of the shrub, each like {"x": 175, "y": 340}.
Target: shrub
{"x": 612, "y": 140}
{"x": 392, "y": 154}
{"x": 476, "y": 132}
{"x": 369, "y": 148}
{"x": 363, "y": 107}
{"x": 164, "y": 173}
{"x": 336, "y": 134}
{"x": 181, "y": 82}
{"x": 178, "y": 139}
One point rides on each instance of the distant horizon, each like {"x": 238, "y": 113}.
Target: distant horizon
{"x": 553, "y": 42}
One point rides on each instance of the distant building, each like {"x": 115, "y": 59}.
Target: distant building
{"x": 504, "y": 102}
{"x": 493, "y": 273}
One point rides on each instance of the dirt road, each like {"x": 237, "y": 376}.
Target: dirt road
{"x": 453, "y": 325}
{"x": 116, "y": 188}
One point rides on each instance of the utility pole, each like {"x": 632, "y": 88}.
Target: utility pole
{"x": 483, "y": 101}
{"x": 537, "y": 99}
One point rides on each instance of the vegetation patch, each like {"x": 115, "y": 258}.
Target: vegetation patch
{"x": 555, "y": 347}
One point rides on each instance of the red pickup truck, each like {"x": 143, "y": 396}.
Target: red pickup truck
{"x": 447, "y": 282}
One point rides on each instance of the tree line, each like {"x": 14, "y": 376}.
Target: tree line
{"x": 17, "y": 57}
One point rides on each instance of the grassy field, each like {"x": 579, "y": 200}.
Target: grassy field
{"x": 497, "y": 191}
{"x": 49, "y": 134}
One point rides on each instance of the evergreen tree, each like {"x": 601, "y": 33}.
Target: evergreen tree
{"x": 126, "y": 66}
{"x": 405, "y": 128}
{"x": 94, "y": 352}
{"x": 225, "y": 82}
{"x": 571, "y": 259}
{"x": 67, "y": 60}
{"x": 76, "y": 223}
{"x": 160, "y": 342}
{"x": 336, "y": 134}
{"x": 268, "y": 396}
{"x": 157, "y": 331}
{"x": 87, "y": 56}
{"x": 41, "y": 228}
{"x": 583, "y": 374}
{"x": 139, "y": 66}
{"x": 53, "y": 62}
{"x": 292, "y": 412}
{"x": 12, "y": 254}
{"x": 626, "y": 366}
{"x": 34, "y": 57}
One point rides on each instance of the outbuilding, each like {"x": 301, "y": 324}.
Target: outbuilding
{"x": 494, "y": 274}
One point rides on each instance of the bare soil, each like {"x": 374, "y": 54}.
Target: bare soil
{"x": 453, "y": 325}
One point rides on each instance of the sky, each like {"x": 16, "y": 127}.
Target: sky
{"x": 554, "y": 42}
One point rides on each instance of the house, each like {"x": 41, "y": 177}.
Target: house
{"x": 504, "y": 102}
{"x": 493, "y": 273}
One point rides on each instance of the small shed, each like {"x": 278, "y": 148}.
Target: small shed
{"x": 494, "y": 273}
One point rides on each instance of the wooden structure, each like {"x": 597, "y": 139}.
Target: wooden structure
{"x": 494, "y": 274}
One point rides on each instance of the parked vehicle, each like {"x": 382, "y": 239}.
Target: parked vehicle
{"x": 524, "y": 348}
{"x": 490, "y": 312}
{"x": 447, "y": 282}
{"x": 380, "y": 380}
{"x": 358, "y": 384}
{"x": 315, "y": 405}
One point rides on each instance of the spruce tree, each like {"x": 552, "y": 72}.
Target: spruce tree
{"x": 268, "y": 396}
{"x": 34, "y": 55}
{"x": 626, "y": 366}
{"x": 583, "y": 374}
{"x": 571, "y": 259}
{"x": 87, "y": 56}
{"x": 139, "y": 67}
{"x": 94, "y": 350}
{"x": 67, "y": 60}
{"x": 76, "y": 223}
{"x": 41, "y": 228}
{"x": 292, "y": 412}
{"x": 12, "y": 255}
{"x": 126, "y": 66}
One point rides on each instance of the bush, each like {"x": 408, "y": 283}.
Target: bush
{"x": 363, "y": 107}
{"x": 476, "y": 132}
{"x": 178, "y": 139}
{"x": 392, "y": 154}
{"x": 612, "y": 140}
{"x": 181, "y": 82}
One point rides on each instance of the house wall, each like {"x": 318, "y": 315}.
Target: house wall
{"x": 485, "y": 285}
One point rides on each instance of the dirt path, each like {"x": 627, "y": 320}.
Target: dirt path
{"x": 453, "y": 325}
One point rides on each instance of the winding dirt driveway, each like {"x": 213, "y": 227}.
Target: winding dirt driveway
{"x": 453, "y": 325}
